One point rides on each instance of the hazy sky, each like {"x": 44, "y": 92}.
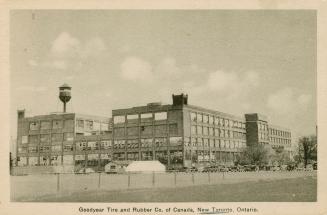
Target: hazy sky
{"x": 232, "y": 61}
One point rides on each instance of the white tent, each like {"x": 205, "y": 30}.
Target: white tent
{"x": 146, "y": 166}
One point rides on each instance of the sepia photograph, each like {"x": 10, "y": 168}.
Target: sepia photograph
{"x": 163, "y": 106}
{"x": 166, "y": 107}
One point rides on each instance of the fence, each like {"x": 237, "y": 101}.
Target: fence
{"x": 33, "y": 186}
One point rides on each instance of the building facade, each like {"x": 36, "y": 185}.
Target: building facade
{"x": 178, "y": 135}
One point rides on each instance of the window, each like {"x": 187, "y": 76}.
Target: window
{"x": 193, "y": 129}
{"x": 57, "y": 124}
{"x": 33, "y": 139}
{"x": 56, "y": 137}
{"x": 69, "y": 123}
{"x": 119, "y": 119}
{"x": 32, "y": 161}
{"x": 226, "y": 123}
{"x": 132, "y": 144}
{"x": 211, "y": 120}
{"x": 132, "y": 117}
{"x": 205, "y": 142}
{"x": 104, "y": 127}
{"x": 216, "y": 120}
{"x": 34, "y": 126}
{"x": 193, "y": 117}
{"x": 56, "y": 148}
{"x": 69, "y": 136}
{"x": 160, "y": 142}
{"x": 119, "y": 131}
{"x": 160, "y": 129}
{"x": 44, "y": 148}
{"x": 193, "y": 142}
{"x": 200, "y": 142}
{"x": 68, "y": 159}
{"x": 146, "y": 130}
{"x": 22, "y": 161}
{"x": 216, "y": 132}
{"x": 146, "y": 116}
{"x": 45, "y": 125}
{"x": 160, "y": 116}
{"x": 221, "y": 122}
{"x": 199, "y": 117}
{"x": 205, "y": 131}
{"x": 88, "y": 125}
{"x": 24, "y": 139}
{"x": 80, "y": 123}
{"x": 146, "y": 143}
{"x": 132, "y": 131}
{"x": 106, "y": 144}
{"x": 22, "y": 149}
{"x": 199, "y": 130}
{"x": 96, "y": 126}
{"x": 175, "y": 141}
{"x": 205, "y": 119}
{"x": 92, "y": 145}
{"x": 45, "y": 138}
{"x": 68, "y": 148}
{"x": 173, "y": 129}
{"x": 32, "y": 149}
{"x": 55, "y": 160}
{"x": 81, "y": 146}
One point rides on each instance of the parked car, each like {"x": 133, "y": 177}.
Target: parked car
{"x": 275, "y": 168}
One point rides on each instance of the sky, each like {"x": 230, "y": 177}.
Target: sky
{"x": 232, "y": 61}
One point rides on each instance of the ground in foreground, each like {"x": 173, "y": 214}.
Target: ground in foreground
{"x": 302, "y": 189}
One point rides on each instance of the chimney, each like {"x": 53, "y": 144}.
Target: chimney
{"x": 21, "y": 114}
{"x": 180, "y": 100}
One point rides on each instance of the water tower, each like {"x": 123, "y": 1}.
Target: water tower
{"x": 65, "y": 94}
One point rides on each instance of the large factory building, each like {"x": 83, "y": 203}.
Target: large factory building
{"x": 178, "y": 135}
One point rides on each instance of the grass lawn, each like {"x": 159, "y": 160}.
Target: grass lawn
{"x": 302, "y": 189}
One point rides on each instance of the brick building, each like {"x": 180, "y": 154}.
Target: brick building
{"x": 177, "y": 135}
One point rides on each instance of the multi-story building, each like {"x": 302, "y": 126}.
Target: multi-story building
{"x": 51, "y": 139}
{"x": 176, "y": 134}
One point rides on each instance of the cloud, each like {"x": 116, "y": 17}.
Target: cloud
{"x": 285, "y": 101}
{"x": 125, "y": 48}
{"x": 93, "y": 47}
{"x": 67, "y": 46}
{"x": 65, "y": 43}
{"x": 32, "y": 63}
{"x": 282, "y": 101}
{"x": 231, "y": 84}
{"x": 32, "y": 88}
{"x": 136, "y": 69}
{"x": 59, "y": 64}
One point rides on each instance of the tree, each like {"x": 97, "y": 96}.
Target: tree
{"x": 255, "y": 155}
{"x": 307, "y": 149}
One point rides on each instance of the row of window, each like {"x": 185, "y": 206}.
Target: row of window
{"x": 90, "y": 125}
{"x": 263, "y": 136}
{"x": 280, "y": 133}
{"x": 262, "y": 126}
{"x": 54, "y": 124}
{"x": 69, "y": 124}
{"x": 45, "y": 138}
{"x": 216, "y": 120}
{"x": 280, "y": 140}
{"x": 205, "y": 156}
{"x": 144, "y": 116}
{"x": 209, "y": 131}
{"x": 214, "y": 143}
{"x": 159, "y": 130}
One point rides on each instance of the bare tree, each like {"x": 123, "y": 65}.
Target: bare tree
{"x": 308, "y": 149}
